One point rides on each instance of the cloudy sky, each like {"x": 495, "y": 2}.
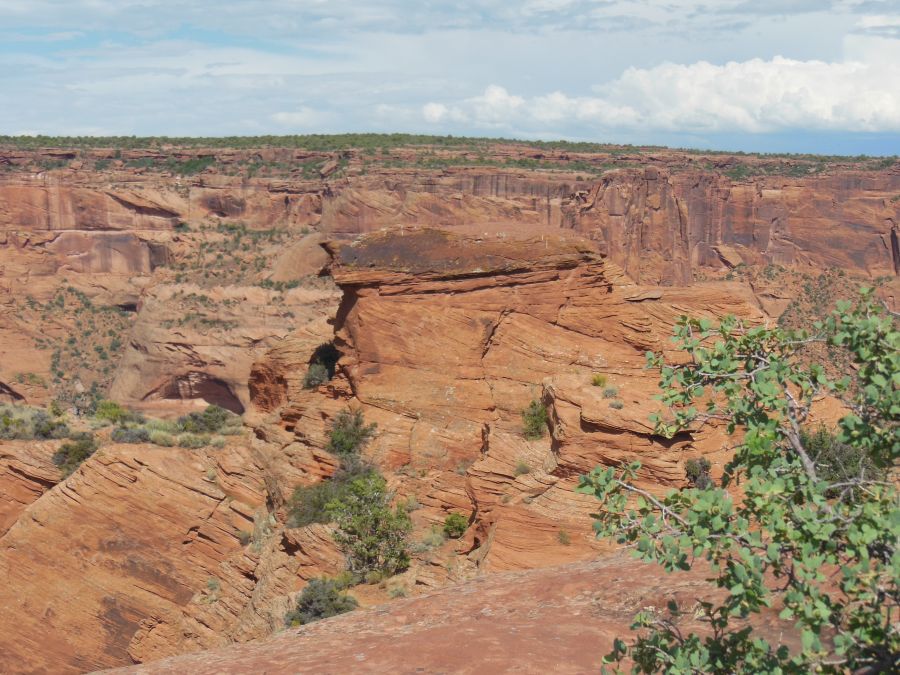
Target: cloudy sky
{"x": 771, "y": 75}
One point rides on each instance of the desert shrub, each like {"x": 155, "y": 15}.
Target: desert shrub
{"x": 315, "y": 376}
{"x": 349, "y": 433}
{"x": 45, "y": 426}
{"x": 838, "y": 462}
{"x": 434, "y": 538}
{"x": 130, "y": 435}
{"x": 70, "y": 455}
{"x": 522, "y": 468}
{"x": 218, "y": 442}
{"x": 212, "y": 420}
{"x": 192, "y": 441}
{"x": 322, "y": 365}
{"x": 564, "y": 538}
{"x": 162, "y": 438}
{"x": 534, "y": 420}
{"x": 115, "y": 413}
{"x": 320, "y": 599}
{"x": 598, "y": 380}
{"x": 616, "y": 404}
{"x": 308, "y": 503}
{"x": 610, "y": 392}
{"x": 371, "y": 533}
{"x": 25, "y": 423}
{"x": 455, "y": 525}
{"x": 697, "y": 472}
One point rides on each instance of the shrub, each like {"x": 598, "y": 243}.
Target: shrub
{"x": 212, "y": 420}
{"x": 522, "y": 468}
{"x": 218, "y": 442}
{"x": 598, "y": 380}
{"x": 434, "y": 538}
{"x": 349, "y": 433}
{"x": 162, "y": 438}
{"x": 564, "y": 538}
{"x": 838, "y": 462}
{"x": 610, "y": 392}
{"x": 616, "y": 404}
{"x": 308, "y": 503}
{"x": 315, "y": 376}
{"x": 130, "y": 435}
{"x": 322, "y": 598}
{"x": 534, "y": 419}
{"x": 455, "y": 525}
{"x": 70, "y": 455}
{"x": 45, "y": 427}
{"x": 371, "y": 533}
{"x": 113, "y": 412}
{"x": 24, "y": 423}
{"x": 192, "y": 441}
{"x": 697, "y": 472}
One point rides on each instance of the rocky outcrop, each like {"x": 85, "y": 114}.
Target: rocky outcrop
{"x": 446, "y": 338}
{"x": 557, "y": 620}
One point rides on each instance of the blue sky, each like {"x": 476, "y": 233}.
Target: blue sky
{"x": 768, "y": 75}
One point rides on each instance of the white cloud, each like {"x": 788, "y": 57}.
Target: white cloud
{"x": 755, "y": 96}
{"x": 434, "y": 112}
{"x": 303, "y": 117}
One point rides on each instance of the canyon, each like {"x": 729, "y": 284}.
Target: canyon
{"x": 458, "y": 285}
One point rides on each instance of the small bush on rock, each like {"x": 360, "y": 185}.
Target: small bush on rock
{"x": 697, "y": 471}
{"x": 322, "y": 598}
{"x": 70, "y": 455}
{"x": 130, "y": 435}
{"x": 455, "y": 525}
{"x": 162, "y": 438}
{"x": 315, "y": 376}
{"x": 349, "y": 433}
{"x": 598, "y": 380}
{"x": 191, "y": 441}
{"x": 534, "y": 419}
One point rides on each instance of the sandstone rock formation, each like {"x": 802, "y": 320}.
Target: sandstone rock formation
{"x": 474, "y": 291}
{"x": 556, "y": 620}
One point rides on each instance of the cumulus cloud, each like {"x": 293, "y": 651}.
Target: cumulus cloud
{"x": 303, "y": 117}
{"x": 755, "y": 96}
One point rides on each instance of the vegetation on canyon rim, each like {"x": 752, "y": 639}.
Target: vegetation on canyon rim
{"x": 814, "y": 534}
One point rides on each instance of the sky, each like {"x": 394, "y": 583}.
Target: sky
{"x": 755, "y": 75}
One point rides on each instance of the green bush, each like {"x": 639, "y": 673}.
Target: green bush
{"x": 308, "y": 503}
{"x": 616, "y": 404}
{"x": 838, "y": 462}
{"x": 192, "y": 441}
{"x": 534, "y": 419}
{"x": 322, "y": 366}
{"x": 70, "y": 455}
{"x": 212, "y": 420}
{"x": 322, "y": 598}
{"x": 522, "y": 468}
{"x": 697, "y": 472}
{"x": 371, "y": 533}
{"x": 564, "y": 538}
{"x": 349, "y": 433}
{"x": 130, "y": 435}
{"x": 455, "y": 525}
{"x": 25, "y": 423}
{"x": 610, "y": 392}
{"x": 598, "y": 380}
{"x": 113, "y": 412}
{"x": 162, "y": 438}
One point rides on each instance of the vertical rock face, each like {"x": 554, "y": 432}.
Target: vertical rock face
{"x": 446, "y": 338}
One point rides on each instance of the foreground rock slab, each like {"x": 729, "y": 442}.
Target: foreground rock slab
{"x": 553, "y": 620}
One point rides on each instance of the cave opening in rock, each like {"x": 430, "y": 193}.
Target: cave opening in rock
{"x": 199, "y": 386}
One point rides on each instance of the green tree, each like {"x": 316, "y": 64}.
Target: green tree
{"x": 817, "y": 545}
{"x": 371, "y": 533}
{"x": 349, "y": 433}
